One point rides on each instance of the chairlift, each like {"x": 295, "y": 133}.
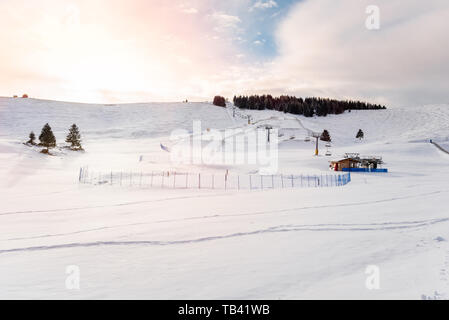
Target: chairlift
{"x": 307, "y": 139}
{"x": 328, "y": 153}
{"x": 328, "y": 145}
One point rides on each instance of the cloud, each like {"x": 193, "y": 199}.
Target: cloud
{"x": 190, "y": 10}
{"x": 138, "y": 50}
{"x": 260, "y": 4}
{"x": 185, "y": 8}
{"x": 224, "y": 21}
{"x": 325, "y": 48}
{"x": 146, "y": 50}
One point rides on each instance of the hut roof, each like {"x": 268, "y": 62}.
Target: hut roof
{"x": 345, "y": 159}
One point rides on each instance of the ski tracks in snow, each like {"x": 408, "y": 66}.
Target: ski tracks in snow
{"x": 223, "y": 195}
{"x": 386, "y": 226}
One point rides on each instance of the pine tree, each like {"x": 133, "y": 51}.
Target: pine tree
{"x": 74, "y": 138}
{"x": 32, "y": 137}
{"x": 219, "y": 101}
{"x": 47, "y": 138}
{"x": 325, "y": 136}
{"x": 360, "y": 135}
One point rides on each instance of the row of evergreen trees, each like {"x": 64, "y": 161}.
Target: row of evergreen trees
{"x": 307, "y": 107}
{"x": 48, "y": 140}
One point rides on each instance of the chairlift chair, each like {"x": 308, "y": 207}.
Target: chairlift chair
{"x": 307, "y": 139}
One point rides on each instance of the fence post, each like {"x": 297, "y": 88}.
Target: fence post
{"x": 282, "y": 181}
{"x": 174, "y": 180}
{"x": 293, "y": 184}
{"x": 250, "y": 183}
{"x": 81, "y": 172}
{"x": 226, "y": 181}
{"x": 238, "y": 182}
{"x": 213, "y": 182}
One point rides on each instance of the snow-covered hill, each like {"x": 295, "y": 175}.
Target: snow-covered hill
{"x": 162, "y": 243}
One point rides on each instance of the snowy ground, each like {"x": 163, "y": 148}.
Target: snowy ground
{"x": 205, "y": 244}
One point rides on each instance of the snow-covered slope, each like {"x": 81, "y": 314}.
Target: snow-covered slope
{"x": 162, "y": 243}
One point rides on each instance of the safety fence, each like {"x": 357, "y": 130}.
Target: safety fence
{"x": 177, "y": 180}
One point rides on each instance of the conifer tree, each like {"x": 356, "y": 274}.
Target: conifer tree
{"x": 360, "y": 135}
{"x": 219, "y": 101}
{"x": 325, "y": 136}
{"x": 32, "y": 137}
{"x": 47, "y": 138}
{"x": 74, "y": 138}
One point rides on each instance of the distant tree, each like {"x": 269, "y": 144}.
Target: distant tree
{"x": 219, "y": 101}
{"x": 325, "y": 136}
{"x": 360, "y": 135}
{"x": 32, "y": 137}
{"x": 25, "y": 96}
{"x": 74, "y": 138}
{"x": 47, "y": 138}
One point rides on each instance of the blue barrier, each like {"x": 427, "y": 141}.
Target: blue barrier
{"x": 364, "y": 170}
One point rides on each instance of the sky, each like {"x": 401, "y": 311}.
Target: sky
{"x": 117, "y": 51}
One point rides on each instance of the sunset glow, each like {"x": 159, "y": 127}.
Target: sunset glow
{"x": 128, "y": 51}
